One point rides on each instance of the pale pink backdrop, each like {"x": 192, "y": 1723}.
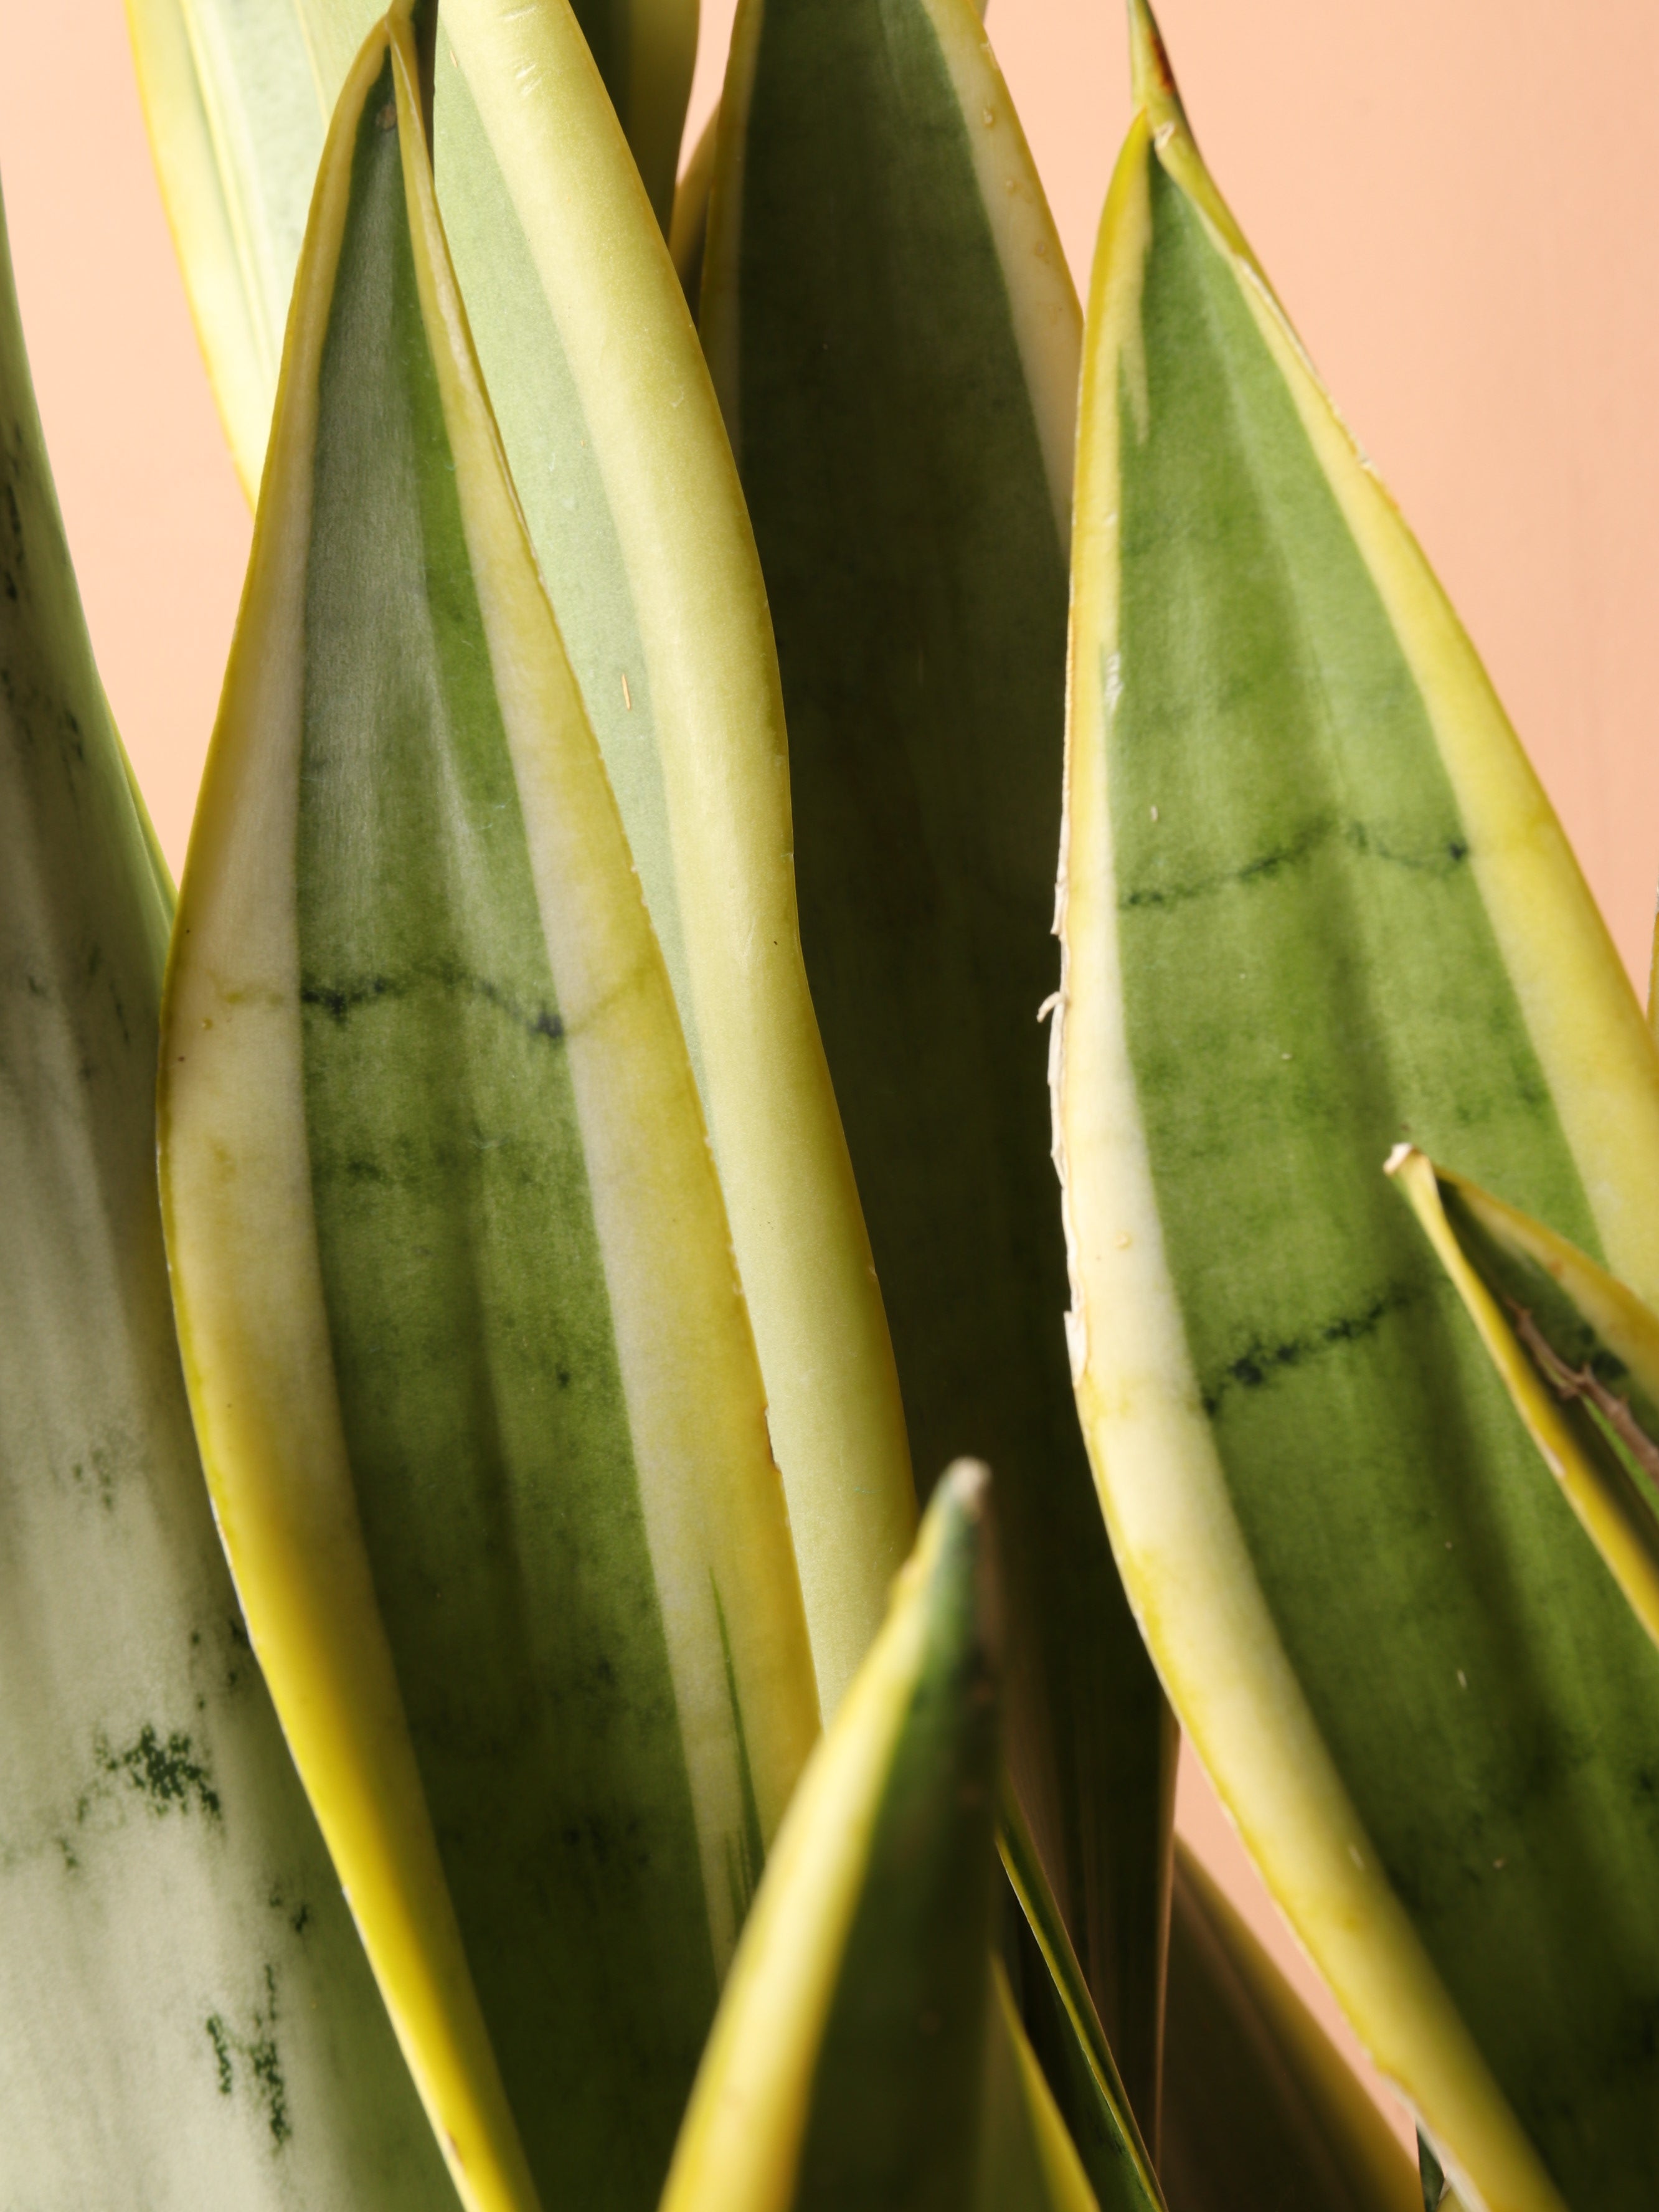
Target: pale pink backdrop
{"x": 1457, "y": 200}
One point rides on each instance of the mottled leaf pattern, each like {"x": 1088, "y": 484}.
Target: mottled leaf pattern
{"x": 185, "y": 2013}
{"x": 612, "y": 433}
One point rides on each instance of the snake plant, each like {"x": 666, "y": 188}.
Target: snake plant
{"x": 503, "y": 1705}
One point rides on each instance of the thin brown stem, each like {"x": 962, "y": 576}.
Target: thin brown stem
{"x": 1570, "y": 1382}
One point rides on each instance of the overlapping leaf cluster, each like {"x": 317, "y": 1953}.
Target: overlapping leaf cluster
{"x": 604, "y": 1146}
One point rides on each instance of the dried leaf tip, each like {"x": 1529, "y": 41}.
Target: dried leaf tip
{"x": 964, "y": 1500}
{"x": 969, "y": 1480}
{"x": 1151, "y": 79}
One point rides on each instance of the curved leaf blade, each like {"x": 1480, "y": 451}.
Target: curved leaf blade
{"x": 615, "y": 443}
{"x": 185, "y": 2013}
{"x": 867, "y": 2051}
{"x": 236, "y": 113}
{"x": 1315, "y": 901}
{"x": 471, "y": 1369}
{"x": 894, "y": 340}
{"x": 647, "y": 51}
{"x": 237, "y": 96}
{"x": 1578, "y": 1353}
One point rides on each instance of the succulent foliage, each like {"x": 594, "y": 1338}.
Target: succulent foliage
{"x": 463, "y": 1742}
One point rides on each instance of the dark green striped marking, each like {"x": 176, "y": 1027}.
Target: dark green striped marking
{"x": 1310, "y": 976}
{"x": 466, "y": 1296}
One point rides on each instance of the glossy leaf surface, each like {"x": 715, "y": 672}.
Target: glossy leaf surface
{"x": 476, "y": 1392}
{"x": 1260, "y": 2110}
{"x": 1316, "y": 902}
{"x": 185, "y": 2013}
{"x": 867, "y": 2052}
{"x": 1579, "y": 1355}
{"x": 625, "y": 477}
{"x": 894, "y": 338}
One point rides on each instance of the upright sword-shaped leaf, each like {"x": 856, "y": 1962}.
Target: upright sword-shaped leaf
{"x": 867, "y": 2053}
{"x": 894, "y": 340}
{"x": 185, "y": 2013}
{"x": 626, "y": 480}
{"x": 469, "y": 1362}
{"x": 1315, "y": 902}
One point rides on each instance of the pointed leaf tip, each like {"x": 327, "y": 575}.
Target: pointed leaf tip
{"x": 1197, "y": 399}
{"x": 1151, "y": 78}
{"x": 936, "y": 199}
{"x": 488, "y": 858}
{"x": 970, "y": 1481}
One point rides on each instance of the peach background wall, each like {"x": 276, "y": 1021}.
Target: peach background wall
{"x": 1456, "y": 199}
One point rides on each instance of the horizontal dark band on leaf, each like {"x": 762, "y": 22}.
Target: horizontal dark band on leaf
{"x": 340, "y": 1002}
{"x": 485, "y": 1421}
{"x": 1275, "y": 700}
{"x": 1359, "y": 836}
{"x": 1256, "y": 1366}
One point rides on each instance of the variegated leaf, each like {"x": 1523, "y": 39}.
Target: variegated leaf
{"x": 186, "y": 2017}
{"x": 1314, "y": 902}
{"x": 868, "y": 2051}
{"x": 469, "y": 1360}
{"x": 894, "y": 340}
{"x": 624, "y": 472}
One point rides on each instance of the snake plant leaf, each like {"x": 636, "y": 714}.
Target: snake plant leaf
{"x": 867, "y": 2051}
{"x": 894, "y": 340}
{"x": 1058, "y": 2014}
{"x": 236, "y": 112}
{"x": 186, "y": 2017}
{"x": 647, "y": 51}
{"x": 1260, "y": 2110}
{"x": 617, "y": 446}
{"x": 623, "y": 471}
{"x": 1314, "y": 902}
{"x": 475, "y": 1392}
{"x": 237, "y": 94}
{"x": 1578, "y": 1353}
